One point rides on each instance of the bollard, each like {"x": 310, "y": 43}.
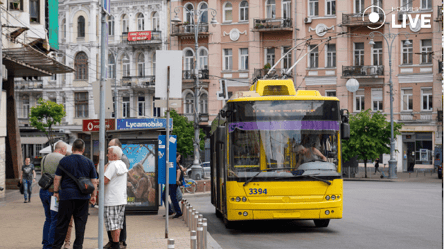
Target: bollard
{"x": 204, "y": 186}
{"x": 170, "y": 243}
{"x": 204, "y": 225}
{"x": 196, "y": 217}
{"x": 191, "y": 219}
{"x": 199, "y": 235}
{"x": 185, "y": 213}
{"x": 193, "y": 240}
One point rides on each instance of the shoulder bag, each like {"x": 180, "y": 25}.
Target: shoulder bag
{"x": 46, "y": 180}
{"x": 84, "y": 183}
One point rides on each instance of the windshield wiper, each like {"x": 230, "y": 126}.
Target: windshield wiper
{"x": 316, "y": 178}
{"x": 251, "y": 179}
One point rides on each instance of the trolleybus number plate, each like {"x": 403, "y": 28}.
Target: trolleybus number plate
{"x": 257, "y": 191}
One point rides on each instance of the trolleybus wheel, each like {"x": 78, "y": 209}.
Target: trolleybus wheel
{"x": 218, "y": 214}
{"x": 321, "y": 223}
{"x": 228, "y": 224}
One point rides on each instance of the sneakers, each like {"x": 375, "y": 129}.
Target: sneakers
{"x": 169, "y": 215}
{"x": 122, "y": 245}
{"x": 176, "y": 216}
{"x": 108, "y": 245}
{"x": 25, "y": 201}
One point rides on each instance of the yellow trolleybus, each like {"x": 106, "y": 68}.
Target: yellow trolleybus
{"x": 276, "y": 154}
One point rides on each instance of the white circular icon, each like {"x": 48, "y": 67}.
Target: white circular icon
{"x": 374, "y": 17}
{"x": 352, "y": 85}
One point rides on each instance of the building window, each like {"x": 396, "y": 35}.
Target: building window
{"x": 111, "y": 66}
{"x": 359, "y": 6}
{"x": 426, "y": 4}
{"x": 270, "y": 56}
{"x": 189, "y": 63}
{"x": 25, "y": 113}
{"x": 188, "y": 16}
{"x": 313, "y": 6}
{"x": 204, "y": 16}
{"x": 125, "y": 27}
{"x": 203, "y": 59}
{"x": 331, "y": 55}
{"x": 141, "y": 65}
{"x": 228, "y": 12}
{"x": 377, "y": 99}
{"x": 286, "y": 9}
{"x": 156, "y": 110}
{"x": 189, "y": 103}
{"x": 407, "y": 99}
{"x": 314, "y": 57}
{"x": 141, "y": 105}
{"x": 156, "y": 23}
{"x": 407, "y": 53}
{"x": 34, "y": 11}
{"x": 426, "y": 51}
{"x": 81, "y": 66}
{"x": 286, "y": 62}
{"x": 228, "y": 59}
{"x": 243, "y": 11}
{"x": 203, "y": 103}
{"x": 377, "y": 3}
{"x": 125, "y": 107}
{"x": 81, "y": 27}
{"x": 111, "y": 26}
{"x": 81, "y": 102}
{"x": 330, "y": 7}
{"x": 406, "y": 4}
{"x": 153, "y": 61}
{"x": 270, "y": 8}
{"x": 359, "y": 100}
{"x": 427, "y": 99}
{"x": 16, "y": 4}
{"x": 377, "y": 54}
{"x": 126, "y": 66}
{"x": 140, "y": 22}
{"x": 54, "y": 77}
{"x": 63, "y": 26}
{"x": 330, "y": 93}
{"x": 243, "y": 59}
{"x": 359, "y": 54}
{"x": 113, "y": 114}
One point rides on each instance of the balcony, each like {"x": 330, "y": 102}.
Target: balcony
{"x": 142, "y": 37}
{"x": 139, "y": 82}
{"x": 358, "y": 19}
{"x": 362, "y": 71}
{"x": 270, "y": 24}
{"x": 188, "y": 30}
{"x": 204, "y": 74}
{"x": 439, "y": 14}
{"x": 276, "y": 73}
{"x": 28, "y": 85}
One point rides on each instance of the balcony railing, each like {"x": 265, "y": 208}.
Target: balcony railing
{"x": 270, "y": 24}
{"x": 147, "y": 81}
{"x": 356, "y": 19}
{"x": 156, "y": 37}
{"x": 29, "y": 85}
{"x": 362, "y": 71}
{"x": 188, "y": 29}
{"x": 204, "y": 74}
{"x": 276, "y": 73}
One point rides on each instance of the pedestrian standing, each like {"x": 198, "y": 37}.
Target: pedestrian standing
{"x": 72, "y": 202}
{"x": 27, "y": 177}
{"x": 49, "y": 165}
{"x": 122, "y": 239}
{"x": 115, "y": 180}
{"x": 377, "y": 166}
{"x": 173, "y": 191}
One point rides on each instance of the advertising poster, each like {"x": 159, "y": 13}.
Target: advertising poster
{"x": 142, "y": 174}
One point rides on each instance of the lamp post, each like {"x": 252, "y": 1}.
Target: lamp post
{"x": 195, "y": 14}
{"x": 389, "y": 38}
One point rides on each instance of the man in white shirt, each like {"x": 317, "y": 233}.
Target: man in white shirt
{"x": 115, "y": 194}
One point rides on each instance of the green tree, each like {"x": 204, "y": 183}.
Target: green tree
{"x": 45, "y": 115}
{"x": 184, "y": 131}
{"x": 369, "y": 136}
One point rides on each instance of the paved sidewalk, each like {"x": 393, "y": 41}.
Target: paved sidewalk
{"x": 419, "y": 176}
{"x": 22, "y": 224}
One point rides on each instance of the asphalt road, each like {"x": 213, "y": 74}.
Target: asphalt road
{"x": 376, "y": 215}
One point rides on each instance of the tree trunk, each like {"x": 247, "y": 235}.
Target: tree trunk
{"x": 365, "y": 167}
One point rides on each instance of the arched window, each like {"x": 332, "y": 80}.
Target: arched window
{"x": 111, "y": 26}
{"x": 203, "y": 103}
{"x": 81, "y": 26}
{"x": 270, "y": 8}
{"x": 111, "y": 66}
{"x": 125, "y": 23}
{"x": 156, "y": 23}
{"x": 141, "y": 65}
{"x": 189, "y": 103}
{"x": 187, "y": 16}
{"x": 140, "y": 22}
{"x": 126, "y": 65}
{"x": 228, "y": 12}
{"x": 189, "y": 59}
{"x": 204, "y": 17}
{"x": 203, "y": 59}
{"x": 81, "y": 66}
{"x": 243, "y": 11}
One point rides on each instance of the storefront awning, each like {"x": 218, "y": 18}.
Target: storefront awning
{"x": 34, "y": 140}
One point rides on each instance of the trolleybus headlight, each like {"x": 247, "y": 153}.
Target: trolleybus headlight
{"x": 245, "y": 213}
{"x": 238, "y": 199}
{"x": 333, "y": 197}
{"x": 244, "y": 199}
{"x": 327, "y": 197}
{"x": 327, "y": 212}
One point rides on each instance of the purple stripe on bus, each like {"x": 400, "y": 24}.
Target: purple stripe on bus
{"x": 285, "y": 125}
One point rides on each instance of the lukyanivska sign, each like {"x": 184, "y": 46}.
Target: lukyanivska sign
{"x": 143, "y": 123}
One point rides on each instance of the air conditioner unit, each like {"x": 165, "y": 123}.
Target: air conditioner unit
{"x": 307, "y": 20}
{"x": 61, "y": 130}
{"x": 400, "y": 15}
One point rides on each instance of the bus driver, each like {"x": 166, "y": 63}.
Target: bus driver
{"x": 308, "y": 155}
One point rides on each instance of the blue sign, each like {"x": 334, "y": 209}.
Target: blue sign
{"x": 162, "y": 159}
{"x": 143, "y": 123}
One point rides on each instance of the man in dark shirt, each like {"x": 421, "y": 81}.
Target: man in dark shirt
{"x": 71, "y": 201}
{"x": 27, "y": 177}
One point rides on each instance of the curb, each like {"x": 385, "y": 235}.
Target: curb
{"x": 197, "y": 194}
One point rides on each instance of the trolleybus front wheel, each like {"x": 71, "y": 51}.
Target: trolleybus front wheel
{"x": 229, "y": 224}
{"x": 321, "y": 223}
{"x": 218, "y": 214}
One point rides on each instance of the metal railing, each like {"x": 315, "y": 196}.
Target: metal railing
{"x": 29, "y": 85}
{"x": 156, "y": 37}
{"x": 139, "y": 81}
{"x": 276, "y": 73}
{"x": 188, "y": 29}
{"x": 356, "y": 19}
{"x": 362, "y": 70}
{"x": 272, "y": 24}
{"x": 204, "y": 74}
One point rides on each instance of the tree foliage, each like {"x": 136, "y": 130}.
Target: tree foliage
{"x": 369, "y": 136}
{"x": 184, "y": 131}
{"x": 45, "y": 115}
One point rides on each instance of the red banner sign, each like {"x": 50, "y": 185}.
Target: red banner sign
{"x": 93, "y": 124}
{"x": 139, "y": 36}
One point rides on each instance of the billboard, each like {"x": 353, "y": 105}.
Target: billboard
{"x": 94, "y": 124}
{"x": 143, "y": 123}
{"x": 139, "y": 36}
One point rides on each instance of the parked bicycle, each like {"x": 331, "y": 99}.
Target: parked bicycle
{"x": 190, "y": 186}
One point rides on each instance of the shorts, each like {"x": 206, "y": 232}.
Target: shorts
{"x": 114, "y": 216}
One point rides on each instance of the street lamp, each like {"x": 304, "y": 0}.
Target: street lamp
{"x": 389, "y": 38}
{"x": 195, "y": 14}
